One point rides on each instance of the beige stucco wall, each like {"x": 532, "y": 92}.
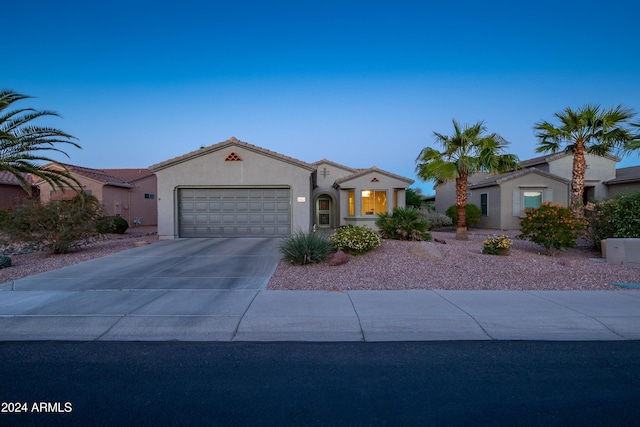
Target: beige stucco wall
{"x": 554, "y": 191}
{"x": 211, "y": 170}
{"x": 327, "y": 174}
{"x": 619, "y": 189}
{"x": 493, "y": 218}
{"x": 363, "y": 182}
{"x": 599, "y": 169}
{"x": 140, "y": 207}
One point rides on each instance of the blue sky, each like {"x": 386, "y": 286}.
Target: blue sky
{"x": 359, "y": 83}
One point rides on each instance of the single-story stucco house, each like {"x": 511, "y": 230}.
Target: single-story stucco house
{"x": 128, "y": 193}
{"x": 236, "y": 189}
{"x": 11, "y": 192}
{"x": 503, "y": 198}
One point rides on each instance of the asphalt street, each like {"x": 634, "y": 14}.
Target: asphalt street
{"x": 420, "y": 383}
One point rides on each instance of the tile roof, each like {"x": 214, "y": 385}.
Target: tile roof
{"x": 626, "y": 175}
{"x": 361, "y": 172}
{"x": 114, "y": 177}
{"x": 224, "y": 144}
{"x": 498, "y": 179}
{"x": 7, "y": 178}
{"x": 338, "y": 165}
{"x": 551, "y": 157}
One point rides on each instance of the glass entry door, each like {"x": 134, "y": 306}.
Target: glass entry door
{"x": 324, "y": 212}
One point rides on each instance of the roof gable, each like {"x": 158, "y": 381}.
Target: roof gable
{"x": 371, "y": 170}
{"x": 7, "y": 178}
{"x": 499, "y": 179}
{"x": 334, "y": 164}
{"x": 226, "y": 144}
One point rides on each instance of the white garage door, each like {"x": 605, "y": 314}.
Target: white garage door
{"x": 234, "y": 212}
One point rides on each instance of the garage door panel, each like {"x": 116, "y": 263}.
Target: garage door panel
{"x": 229, "y": 212}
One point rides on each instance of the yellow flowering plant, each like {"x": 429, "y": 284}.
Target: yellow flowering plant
{"x": 496, "y": 245}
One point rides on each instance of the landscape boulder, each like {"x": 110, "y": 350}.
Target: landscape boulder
{"x": 339, "y": 258}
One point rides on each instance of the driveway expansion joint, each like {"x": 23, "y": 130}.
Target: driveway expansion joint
{"x": 364, "y": 338}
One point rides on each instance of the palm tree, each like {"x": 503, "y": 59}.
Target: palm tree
{"x": 23, "y": 144}
{"x": 469, "y": 150}
{"x": 586, "y": 130}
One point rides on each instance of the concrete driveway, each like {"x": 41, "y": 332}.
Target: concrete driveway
{"x": 182, "y": 264}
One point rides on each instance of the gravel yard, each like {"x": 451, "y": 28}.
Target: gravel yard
{"x": 412, "y": 265}
{"x": 399, "y": 265}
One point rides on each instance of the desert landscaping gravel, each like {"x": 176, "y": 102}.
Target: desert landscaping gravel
{"x": 462, "y": 265}
{"x": 402, "y": 265}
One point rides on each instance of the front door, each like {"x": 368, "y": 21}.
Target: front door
{"x": 323, "y": 210}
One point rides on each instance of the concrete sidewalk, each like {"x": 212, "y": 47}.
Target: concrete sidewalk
{"x": 260, "y": 315}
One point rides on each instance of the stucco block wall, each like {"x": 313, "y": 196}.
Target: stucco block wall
{"x": 623, "y": 252}
{"x": 620, "y": 189}
{"x": 211, "y": 170}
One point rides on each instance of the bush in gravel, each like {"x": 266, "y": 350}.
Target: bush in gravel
{"x": 305, "y": 248}
{"x": 617, "y": 217}
{"x": 473, "y": 214}
{"x": 435, "y": 219}
{"x": 112, "y": 225}
{"x": 552, "y": 226}
{"x": 403, "y": 224}
{"x": 58, "y": 226}
{"x": 355, "y": 239}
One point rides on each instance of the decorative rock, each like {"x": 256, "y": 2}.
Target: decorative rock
{"x": 426, "y": 250}
{"x": 339, "y": 258}
{"x": 444, "y": 242}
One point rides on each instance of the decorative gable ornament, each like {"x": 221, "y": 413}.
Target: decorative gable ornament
{"x": 233, "y": 157}
{"x": 374, "y": 179}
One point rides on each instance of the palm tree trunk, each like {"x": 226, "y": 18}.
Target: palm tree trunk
{"x": 577, "y": 181}
{"x": 461, "y": 205}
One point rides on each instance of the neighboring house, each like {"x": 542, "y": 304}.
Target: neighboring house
{"x": 627, "y": 181}
{"x": 12, "y": 193}
{"x": 129, "y": 193}
{"x": 503, "y": 198}
{"x": 235, "y": 189}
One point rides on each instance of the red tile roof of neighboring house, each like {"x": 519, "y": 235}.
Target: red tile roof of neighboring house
{"x": 129, "y": 175}
{"x": 7, "y": 178}
{"x": 115, "y": 177}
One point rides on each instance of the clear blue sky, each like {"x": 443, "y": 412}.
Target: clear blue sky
{"x": 361, "y": 83}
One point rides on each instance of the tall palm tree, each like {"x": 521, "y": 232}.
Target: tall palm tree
{"x": 589, "y": 129}
{"x": 467, "y": 151}
{"x": 23, "y": 145}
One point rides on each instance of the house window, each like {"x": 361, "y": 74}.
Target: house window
{"x": 484, "y": 204}
{"x": 352, "y": 203}
{"x": 531, "y": 199}
{"x": 374, "y": 202}
{"x": 395, "y": 199}
{"x": 149, "y": 196}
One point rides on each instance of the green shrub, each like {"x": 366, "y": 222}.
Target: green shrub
{"x": 354, "y": 239}
{"x": 617, "y": 217}
{"x": 58, "y": 226}
{"x": 413, "y": 198}
{"x": 305, "y": 248}
{"x": 403, "y": 224}
{"x": 112, "y": 225}
{"x": 5, "y": 261}
{"x": 473, "y": 214}
{"x": 552, "y": 226}
{"x": 435, "y": 219}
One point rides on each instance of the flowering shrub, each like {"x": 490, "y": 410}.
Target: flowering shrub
{"x": 355, "y": 239}
{"x": 495, "y": 245}
{"x": 552, "y": 226}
